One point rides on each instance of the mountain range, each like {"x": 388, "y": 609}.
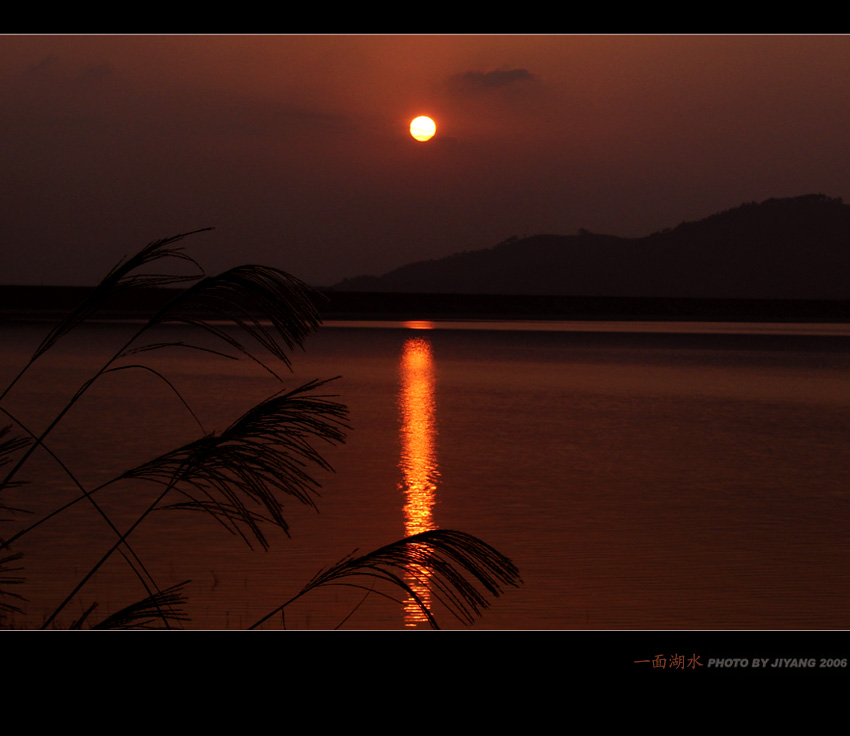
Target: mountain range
{"x": 790, "y": 248}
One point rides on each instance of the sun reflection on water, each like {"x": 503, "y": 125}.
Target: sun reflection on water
{"x": 417, "y": 405}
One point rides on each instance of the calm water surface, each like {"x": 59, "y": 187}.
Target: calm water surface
{"x": 640, "y": 476}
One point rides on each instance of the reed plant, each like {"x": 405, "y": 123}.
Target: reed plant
{"x": 240, "y": 475}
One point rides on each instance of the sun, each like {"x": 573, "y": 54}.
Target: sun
{"x": 423, "y": 128}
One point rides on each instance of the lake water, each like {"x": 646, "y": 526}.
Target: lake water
{"x": 641, "y": 476}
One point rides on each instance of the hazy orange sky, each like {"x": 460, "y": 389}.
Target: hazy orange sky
{"x": 296, "y": 149}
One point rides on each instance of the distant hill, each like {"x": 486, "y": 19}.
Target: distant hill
{"x": 794, "y": 248}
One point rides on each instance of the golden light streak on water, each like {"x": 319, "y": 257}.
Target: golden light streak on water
{"x": 417, "y": 406}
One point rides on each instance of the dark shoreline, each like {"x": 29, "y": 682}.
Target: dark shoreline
{"x": 28, "y": 303}
{"x": 355, "y": 305}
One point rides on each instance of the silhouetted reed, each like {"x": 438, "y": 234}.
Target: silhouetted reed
{"x": 239, "y": 476}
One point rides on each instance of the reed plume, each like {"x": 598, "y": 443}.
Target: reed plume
{"x": 454, "y": 565}
{"x": 261, "y": 457}
{"x": 144, "y": 614}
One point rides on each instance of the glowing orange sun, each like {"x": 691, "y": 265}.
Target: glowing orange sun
{"x": 423, "y": 128}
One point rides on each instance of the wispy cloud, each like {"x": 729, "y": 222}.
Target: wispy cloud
{"x": 473, "y": 82}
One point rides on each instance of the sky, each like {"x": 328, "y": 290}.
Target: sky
{"x": 296, "y": 149}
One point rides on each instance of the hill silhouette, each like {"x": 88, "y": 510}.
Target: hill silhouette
{"x": 793, "y": 248}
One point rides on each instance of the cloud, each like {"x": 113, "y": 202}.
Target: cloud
{"x": 94, "y": 72}
{"x": 472, "y": 82}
